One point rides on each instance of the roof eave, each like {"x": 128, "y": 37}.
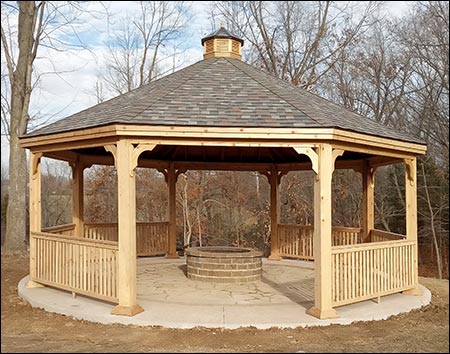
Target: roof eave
{"x": 241, "y": 135}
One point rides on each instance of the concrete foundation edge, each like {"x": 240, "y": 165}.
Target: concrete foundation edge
{"x": 228, "y": 317}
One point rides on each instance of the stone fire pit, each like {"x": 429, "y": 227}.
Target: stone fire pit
{"x": 224, "y": 264}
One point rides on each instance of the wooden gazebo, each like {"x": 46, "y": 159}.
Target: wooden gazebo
{"x": 223, "y": 114}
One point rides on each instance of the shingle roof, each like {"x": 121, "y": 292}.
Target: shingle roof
{"x": 222, "y": 92}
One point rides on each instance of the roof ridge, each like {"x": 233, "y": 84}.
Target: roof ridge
{"x": 267, "y": 88}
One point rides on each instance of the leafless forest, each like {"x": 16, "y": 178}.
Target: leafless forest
{"x": 391, "y": 69}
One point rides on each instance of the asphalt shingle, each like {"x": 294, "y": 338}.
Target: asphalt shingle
{"x": 222, "y": 92}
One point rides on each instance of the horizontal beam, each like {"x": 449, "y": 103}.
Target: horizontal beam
{"x": 228, "y": 136}
{"x": 108, "y": 160}
{"x": 379, "y": 161}
{"x": 68, "y": 156}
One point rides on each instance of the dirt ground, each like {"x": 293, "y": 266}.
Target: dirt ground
{"x": 25, "y": 329}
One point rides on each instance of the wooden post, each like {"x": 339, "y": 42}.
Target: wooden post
{"x": 35, "y": 212}
{"x": 322, "y": 236}
{"x": 411, "y": 218}
{"x": 368, "y": 205}
{"x": 274, "y": 214}
{"x": 172, "y": 183}
{"x": 126, "y": 182}
{"x": 77, "y": 198}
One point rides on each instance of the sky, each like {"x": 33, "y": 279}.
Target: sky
{"x": 72, "y": 89}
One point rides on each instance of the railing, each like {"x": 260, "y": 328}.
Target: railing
{"x": 87, "y": 267}
{"x": 151, "y": 238}
{"x": 296, "y": 241}
{"x": 380, "y": 236}
{"x": 346, "y": 236}
{"x": 66, "y": 229}
{"x": 371, "y": 270}
{"x": 101, "y": 231}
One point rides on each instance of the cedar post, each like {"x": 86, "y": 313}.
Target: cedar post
{"x": 172, "y": 185}
{"x": 411, "y": 218}
{"x": 35, "y": 213}
{"x": 368, "y": 207}
{"x": 274, "y": 214}
{"x": 322, "y": 236}
{"x": 77, "y": 198}
{"x": 126, "y": 182}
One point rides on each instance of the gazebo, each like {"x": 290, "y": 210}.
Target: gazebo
{"x": 223, "y": 114}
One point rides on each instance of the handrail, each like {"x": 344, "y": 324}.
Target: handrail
{"x": 386, "y": 234}
{"x": 297, "y": 226}
{"x": 370, "y": 246}
{"x": 59, "y": 228}
{"x": 76, "y": 240}
{"x": 345, "y": 228}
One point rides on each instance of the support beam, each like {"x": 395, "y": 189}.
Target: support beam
{"x": 112, "y": 148}
{"x": 322, "y": 236}
{"x": 274, "y": 181}
{"x": 368, "y": 202}
{"x": 126, "y": 183}
{"x": 35, "y": 212}
{"x": 172, "y": 183}
{"x": 77, "y": 197}
{"x": 309, "y": 151}
{"x": 411, "y": 218}
{"x": 137, "y": 151}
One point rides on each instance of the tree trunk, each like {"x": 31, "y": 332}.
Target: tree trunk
{"x": 16, "y": 214}
{"x": 433, "y": 229}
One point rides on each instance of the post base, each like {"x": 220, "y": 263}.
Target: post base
{"x": 172, "y": 256}
{"x": 414, "y": 291}
{"x": 322, "y": 314}
{"x": 274, "y": 257}
{"x": 32, "y": 284}
{"x": 127, "y": 310}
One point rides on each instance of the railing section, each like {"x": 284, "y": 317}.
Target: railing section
{"x": 380, "y": 236}
{"x": 371, "y": 270}
{"x": 346, "y": 236}
{"x": 296, "y": 241}
{"x": 101, "y": 231}
{"x": 76, "y": 264}
{"x": 66, "y": 229}
{"x": 151, "y": 238}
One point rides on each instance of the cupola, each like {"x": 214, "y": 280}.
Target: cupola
{"x": 222, "y": 43}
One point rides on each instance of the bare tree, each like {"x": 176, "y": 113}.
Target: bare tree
{"x": 135, "y": 50}
{"x": 56, "y": 193}
{"x": 432, "y": 215}
{"x": 39, "y": 24}
{"x": 294, "y": 40}
{"x": 101, "y": 194}
{"x": 424, "y": 37}
{"x": 31, "y": 17}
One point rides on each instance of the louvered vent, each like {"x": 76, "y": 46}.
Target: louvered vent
{"x": 235, "y": 47}
{"x": 222, "y": 45}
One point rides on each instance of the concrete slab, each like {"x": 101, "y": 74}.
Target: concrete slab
{"x": 171, "y": 300}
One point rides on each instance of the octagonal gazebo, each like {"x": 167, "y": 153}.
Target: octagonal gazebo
{"x": 223, "y": 114}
